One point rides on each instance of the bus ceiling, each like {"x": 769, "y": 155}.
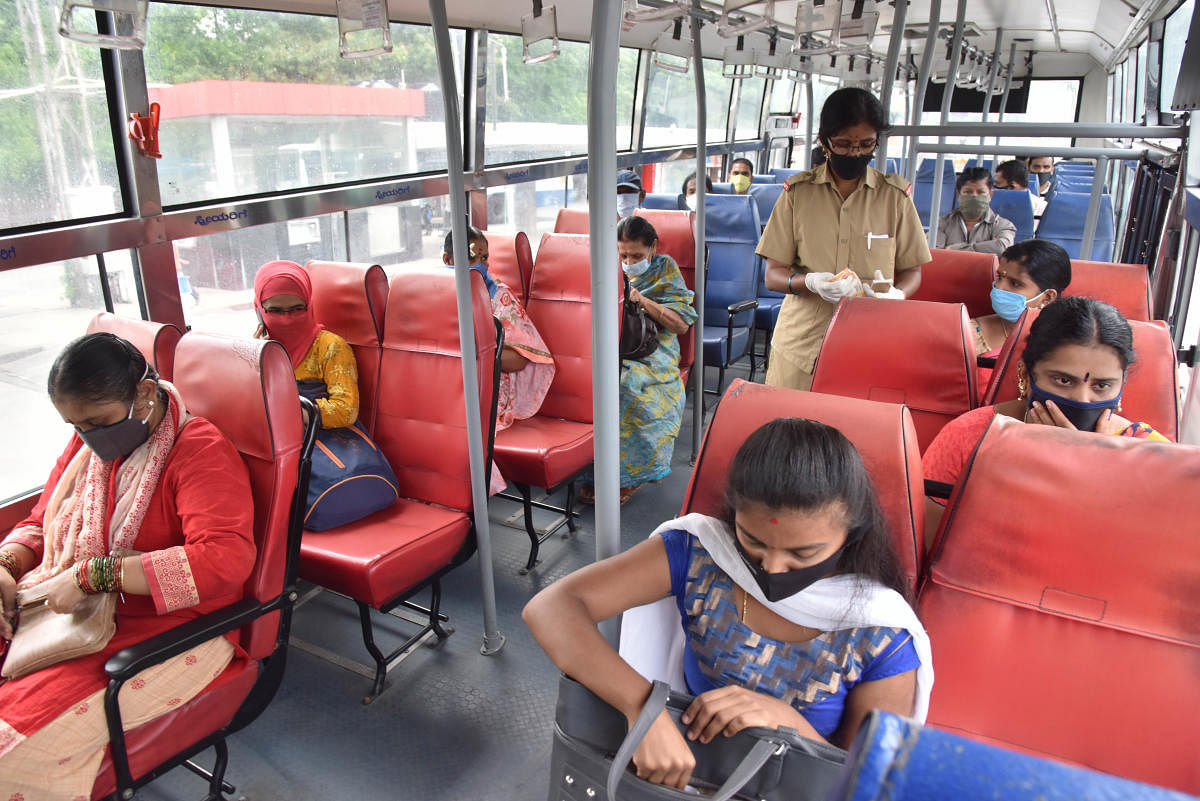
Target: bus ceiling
{"x": 1069, "y": 38}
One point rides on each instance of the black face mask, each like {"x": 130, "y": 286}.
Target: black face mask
{"x": 777, "y": 586}
{"x": 849, "y": 168}
{"x": 1084, "y": 416}
{"x": 119, "y": 439}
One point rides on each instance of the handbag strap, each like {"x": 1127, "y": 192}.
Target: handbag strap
{"x": 762, "y": 751}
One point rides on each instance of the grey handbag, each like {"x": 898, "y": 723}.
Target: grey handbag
{"x": 592, "y": 752}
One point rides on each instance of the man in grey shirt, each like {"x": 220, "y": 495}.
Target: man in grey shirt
{"x": 973, "y": 225}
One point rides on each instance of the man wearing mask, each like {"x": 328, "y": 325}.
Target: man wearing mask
{"x": 629, "y": 193}
{"x": 741, "y": 175}
{"x": 1014, "y": 174}
{"x": 973, "y": 225}
{"x": 1043, "y": 168}
{"x": 839, "y": 230}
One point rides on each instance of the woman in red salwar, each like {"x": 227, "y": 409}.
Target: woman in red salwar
{"x": 145, "y": 501}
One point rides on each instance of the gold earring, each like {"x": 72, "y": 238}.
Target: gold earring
{"x": 1022, "y": 382}
{"x": 1118, "y": 407}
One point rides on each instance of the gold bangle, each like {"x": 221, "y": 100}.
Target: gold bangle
{"x": 8, "y": 561}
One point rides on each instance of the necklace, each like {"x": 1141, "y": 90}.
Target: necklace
{"x": 745, "y": 597}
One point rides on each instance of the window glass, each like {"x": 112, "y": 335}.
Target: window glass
{"x": 533, "y": 207}
{"x": 400, "y": 233}
{"x": 1127, "y": 108}
{"x": 783, "y": 97}
{"x": 220, "y": 268}
{"x": 671, "y": 174}
{"x": 42, "y": 308}
{"x": 258, "y": 101}
{"x": 56, "y": 142}
{"x": 539, "y": 111}
{"x": 749, "y": 108}
{"x": 1174, "y": 38}
{"x": 1050, "y": 100}
{"x": 1139, "y": 96}
{"x": 1109, "y": 97}
{"x": 671, "y": 106}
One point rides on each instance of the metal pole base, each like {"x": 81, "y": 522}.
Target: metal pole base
{"x": 492, "y": 644}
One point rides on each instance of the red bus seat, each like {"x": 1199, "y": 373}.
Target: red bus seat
{"x": 883, "y": 433}
{"x": 264, "y": 425}
{"x": 571, "y": 221}
{"x": 385, "y": 558}
{"x": 156, "y": 341}
{"x": 915, "y": 353}
{"x": 677, "y": 238}
{"x": 510, "y": 261}
{"x": 1150, "y": 394}
{"x": 1061, "y": 601}
{"x": 959, "y": 276}
{"x": 555, "y": 445}
{"x": 349, "y": 300}
{"x": 1125, "y": 286}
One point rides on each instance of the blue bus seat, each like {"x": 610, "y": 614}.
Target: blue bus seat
{"x": 988, "y": 164}
{"x": 889, "y": 165}
{"x": 901, "y": 760}
{"x": 923, "y": 189}
{"x": 769, "y": 301}
{"x": 758, "y": 178}
{"x": 1076, "y": 633}
{"x": 1016, "y": 206}
{"x": 722, "y": 188}
{"x": 783, "y": 173}
{"x": 1063, "y": 220}
{"x": 732, "y": 231}
{"x": 765, "y": 197}
{"x": 663, "y": 201}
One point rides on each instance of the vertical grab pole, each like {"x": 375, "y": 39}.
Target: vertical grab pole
{"x": 931, "y": 41}
{"x": 493, "y": 640}
{"x": 602, "y": 188}
{"x": 1012, "y": 60}
{"x": 947, "y": 95}
{"x": 889, "y": 76}
{"x": 987, "y": 97}
{"x": 701, "y": 160}
{"x": 808, "y": 118}
{"x": 1092, "y": 220}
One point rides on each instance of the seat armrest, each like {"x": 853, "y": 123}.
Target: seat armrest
{"x": 128, "y": 662}
{"x": 742, "y": 305}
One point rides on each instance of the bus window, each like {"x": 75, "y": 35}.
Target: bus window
{"x": 43, "y": 308}
{"x": 399, "y": 233}
{"x": 749, "y": 108}
{"x": 282, "y": 110}
{"x": 56, "y": 143}
{"x": 1174, "y": 37}
{"x": 671, "y": 106}
{"x": 1139, "y": 90}
{"x": 531, "y": 207}
{"x": 783, "y": 97}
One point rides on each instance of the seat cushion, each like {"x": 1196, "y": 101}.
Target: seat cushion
{"x": 714, "y": 345}
{"x": 543, "y": 451}
{"x": 767, "y": 313}
{"x": 380, "y": 557}
{"x": 153, "y": 743}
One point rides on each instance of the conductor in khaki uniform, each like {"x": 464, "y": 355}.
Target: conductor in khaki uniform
{"x": 842, "y": 214}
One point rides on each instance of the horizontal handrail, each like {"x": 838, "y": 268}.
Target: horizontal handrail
{"x": 1073, "y": 130}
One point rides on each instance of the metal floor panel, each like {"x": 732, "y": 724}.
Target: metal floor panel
{"x": 451, "y": 724}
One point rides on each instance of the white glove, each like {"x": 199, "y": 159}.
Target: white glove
{"x": 827, "y": 288}
{"x": 880, "y": 287}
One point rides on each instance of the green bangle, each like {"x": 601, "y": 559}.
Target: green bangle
{"x": 789, "y": 284}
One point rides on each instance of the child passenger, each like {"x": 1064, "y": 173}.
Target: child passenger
{"x": 790, "y": 611}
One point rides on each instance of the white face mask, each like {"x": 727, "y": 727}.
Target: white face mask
{"x": 690, "y": 201}
{"x": 637, "y": 268}
{"x": 626, "y": 204}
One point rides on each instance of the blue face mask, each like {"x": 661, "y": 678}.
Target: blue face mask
{"x": 1009, "y": 305}
{"x": 1083, "y": 416}
{"x": 637, "y": 268}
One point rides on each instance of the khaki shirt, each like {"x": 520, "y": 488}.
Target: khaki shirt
{"x": 814, "y": 230}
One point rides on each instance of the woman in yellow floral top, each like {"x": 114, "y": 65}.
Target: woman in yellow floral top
{"x": 324, "y": 362}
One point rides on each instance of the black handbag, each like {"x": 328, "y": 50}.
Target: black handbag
{"x": 639, "y": 332}
{"x": 592, "y": 752}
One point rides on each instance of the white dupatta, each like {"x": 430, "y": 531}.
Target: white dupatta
{"x": 652, "y": 638}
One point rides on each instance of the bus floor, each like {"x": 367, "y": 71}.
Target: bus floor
{"x": 451, "y": 724}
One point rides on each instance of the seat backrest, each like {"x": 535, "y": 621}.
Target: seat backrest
{"x": 677, "y": 238}
{"x": 767, "y": 178}
{"x": 1126, "y": 286}
{"x": 959, "y": 276}
{"x": 503, "y": 263}
{"x": 783, "y": 173}
{"x": 1150, "y": 394}
{"x": 247, "y": 389}
{"x": 571, "y": 221}
{"x": 899, "y": 759}
{"x": 661, "y": 200}
{"x": 882, "y": 432}
{"x": 722, "y": 188}
{"x": 732, "y": 231}
{"x": 1087, "y": 580}
{"x": 1063, "y": 222}
{"x": 349, "y": 300}
{"x": 560, "y": 305}
{"x": 156, "y": 341}
{"x": 919, "y": 354}
{"x": 1016, "y": 206}
{"x": 972, "y": 163}
{"x": 421, "y": 423}
{"x": 765, "y": 197}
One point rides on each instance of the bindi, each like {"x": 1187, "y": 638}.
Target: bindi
{"x": 774, "y": 521}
